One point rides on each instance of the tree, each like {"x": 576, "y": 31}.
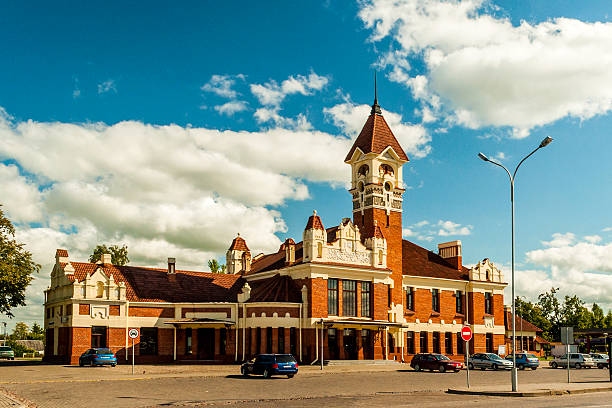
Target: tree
{"x": 20, "y": 332}
{"x": 532, "y": 312}
{"x": 215, "y": 267}
{"x": 36, "y": 333}
{"x": 598, "y": 316}
{"x": 119, "y": 255}
{"x": 551, "y": 310}
{"x": 608, "y": 320}
{"x": 16, "y": 268}
{"x": 574, "y": 313}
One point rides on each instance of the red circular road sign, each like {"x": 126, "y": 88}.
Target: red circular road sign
{"x": 466, "y": 333}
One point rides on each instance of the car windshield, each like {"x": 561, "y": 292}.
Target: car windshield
{"x": 530, "y": 356}
{"x": 5, "y": 348}
{"x": 440, "y": 357}
{"x": 103, "y": 351}
{"x": 494, "y": 357}
{"x": 285, "y": 359}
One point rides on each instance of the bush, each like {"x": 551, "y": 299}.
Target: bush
{"x": 19, "y": 349}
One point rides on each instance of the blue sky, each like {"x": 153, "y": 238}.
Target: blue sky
{"x": 170, "y": 129}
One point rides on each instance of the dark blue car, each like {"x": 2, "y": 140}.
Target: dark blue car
{"x": 271, "y": 364}
{"x": 98, "y": 356}
{"x": 525, "y": 360}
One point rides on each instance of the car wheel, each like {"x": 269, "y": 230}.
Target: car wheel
{"x": 554, "y": 365}
{"x": 599, "y": 365}
{"x": 578, "y": 366}
{"x": 534, "y": 368}
{"x": 483, "y": 368}
{"x": 456, "y": 371}
{"x": 267, "y": 373}
{"x": 81, "y": 363}
{"x": 290, "y": 375}
{"x": 521, "y": 367}
{"x": 244, "y": 372}
{"x": 471, "y": 366}
{"x": 91, "y": 363}
{"x": 442, "y": 368}
{"x": 494, "y": 367}
{"x": 112, "y": 365}
{"x": 417, "y": 367}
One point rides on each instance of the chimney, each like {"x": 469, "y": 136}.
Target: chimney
{"x": 171, "y": 266}
{"x": 451, "y": 252}
{"x": 106, "y": 259}
{"x": 289, "y": 251}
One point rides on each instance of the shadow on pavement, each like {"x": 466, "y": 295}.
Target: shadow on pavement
{"x": 254, "y": 377}
{"x": 20, "y": 363}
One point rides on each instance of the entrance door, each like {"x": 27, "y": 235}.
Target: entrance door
{"x": 332, "y": 344}
{"x": 366, "y": 344}
{"x": 350, "y": 344}
{"x": 206, "y": 344}
{"x": 98, "y": 337}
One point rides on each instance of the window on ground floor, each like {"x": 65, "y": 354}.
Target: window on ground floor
{"x": 148, "y": 341}
{"x": 435, "y": 339}
{"x": 188, "y": 340}
{"x": 448, "y": 343}
{"x": 391, "y": 343}
{"x": 423, "y": 342}
{"x": 293, "y": 341}
{"x": 410, "y": 342}
{"x": 268, "y": 340}
{"x": 222, "y": 340}
{"x": 530, "y": 344}
{"x": 281, "y": 340}
{"x": 98, "y": 336}
{"x": 489, "y": 337}
{"x": 460, "y": 344}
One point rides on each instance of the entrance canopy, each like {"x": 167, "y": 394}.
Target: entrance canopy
{"x": 201, "y": 322}
{"x": 593, "y": 332}
{"x": 373, "y": 324}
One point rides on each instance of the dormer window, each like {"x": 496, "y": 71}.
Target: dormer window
{"x": 386, "y": 169}
{"x": 363, "y": 171}
{"x": 100, "y": 289}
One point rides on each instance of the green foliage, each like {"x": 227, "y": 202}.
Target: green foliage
{"x": 16, "y": 268}
{"x": 19, "y": 349}
{"x": 598, "y": 319}
{"x": 36, "y": 333}
{"x": 215, "y": 267}
{"x": 20, "y": 332}
{"x": 119, "y": 255}
{"x": 608, "y": 320}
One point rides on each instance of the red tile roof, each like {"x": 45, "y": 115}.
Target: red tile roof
{"x": 276, "y": 261}
{"x": 375, "y": 137}
{"x": 275, "y": 289}
{"x": 418, "y": 261}
{"x": 156, "y": 285}
{"x": 62, "y": 253}
{"x": 314, "y": 222}
{"x": 527, "y": 326}
{"x": 239, "y": 244}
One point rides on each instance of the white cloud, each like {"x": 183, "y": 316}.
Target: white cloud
{"x": 560, "y": 240}
{"x": 222, "y": 85}
{"x": 490, "y": 72}
{"x": 106, "y": 86}
{"x": 21, "y": 199}
{"x": 607, "y": 229}
{"x": 349, "y": 117}
{"x": 231, "y": 107}
{"x": 265, "y": 115}
{"x": 448, "y": 228}
{"x": 273, "y": 94}
{"x": 593, "y": 239}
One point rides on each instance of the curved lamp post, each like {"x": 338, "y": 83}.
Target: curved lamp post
{"x": 512, "y": 176}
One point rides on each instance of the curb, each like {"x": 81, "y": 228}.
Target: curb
{"x": 541, "y": 393}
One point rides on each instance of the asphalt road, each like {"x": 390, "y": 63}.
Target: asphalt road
{"x": 61, "y": 386}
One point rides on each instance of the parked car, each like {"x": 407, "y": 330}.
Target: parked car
{"x": 488, "y": 360}
{"x": 525, "y": 360}
{"x": 435, "y": 362}
{"x": 602, "y": 360}
{"x": 7, "y": 352}
{"x": 576, "y": 360}
{"x": 98, "y": 356}
{"x": 271, "y": 364}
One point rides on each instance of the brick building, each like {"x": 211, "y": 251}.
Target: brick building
{"x": 357, "y": 287}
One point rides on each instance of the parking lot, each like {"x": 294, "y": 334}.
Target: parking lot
{"x": 172, "y": 385}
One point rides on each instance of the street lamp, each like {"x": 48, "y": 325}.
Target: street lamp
{"x": 512, "y": 176}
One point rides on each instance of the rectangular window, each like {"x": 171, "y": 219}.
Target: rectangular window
{"x": 435, "y": 300}
{"x": 222, "y": 340}
{"x": 332, "y": 297}
{"x": 281, "y": 340}
{"x": 435, "y": 339}
{"x": 366, "y": 294}
{"x": 410, "y": 299}
{"x": 258, "y": 340}
{"x": 349, "y": 298}
{"x": 488, "y": 303}
{"x": 448, "y": 343}
{"x": 148, "y": 341}
{"x": 389, "y": 296}
{"x": 268, "y": 340}
{"x": 188, "y": 340}
{"x": 98, "y": 336}
{"x": 423, "y": 339}
{"x": 293, "y": 341}
{"x": 459, "y": 302}
{"x": 531, "y": 345}
{"x": 490, "y": 343}
{"x": 69, "y": 309}
{"x": 459, "y": 343}
{"x": 410, "y": 342}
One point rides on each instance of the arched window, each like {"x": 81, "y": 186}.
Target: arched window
{"x": 319, "y": 250}
{"x": 488, "y": 275}
{"x": 100, "y": 289}
{"x": 385, "y": 169}
{"x": 380, "y": 257}
{"x": 364, "y": 169}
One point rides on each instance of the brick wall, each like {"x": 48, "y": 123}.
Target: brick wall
{"x": 380, "y": 303}
{"x": 114, "y": 310}
{"x": 139, "y": 311}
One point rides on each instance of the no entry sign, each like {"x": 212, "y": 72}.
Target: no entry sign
{"x": 466, "y": 333}
{"x": 133, "y": 333}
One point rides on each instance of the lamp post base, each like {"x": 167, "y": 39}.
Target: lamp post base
{"x": 514, "y": 374}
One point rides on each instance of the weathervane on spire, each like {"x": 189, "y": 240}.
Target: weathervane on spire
{"x": 375, "y": 108}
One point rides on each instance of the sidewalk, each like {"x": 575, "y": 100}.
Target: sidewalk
{"x": 535, "y": 390}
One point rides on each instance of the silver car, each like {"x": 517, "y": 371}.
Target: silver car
{"x": 602, "y": 360}
{"x": 488, "y": 360}
{"x": 576, "y": 360}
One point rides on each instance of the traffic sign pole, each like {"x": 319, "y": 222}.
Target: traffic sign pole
{"x": 133, "y": 334}
{"x": 132, "y": 356}
{"x": 466, "y": 335}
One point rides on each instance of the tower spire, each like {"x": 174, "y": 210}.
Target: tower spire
{"x": 375, "y": 107}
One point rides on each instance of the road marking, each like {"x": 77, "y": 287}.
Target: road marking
{"x": 74, "y": 381}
